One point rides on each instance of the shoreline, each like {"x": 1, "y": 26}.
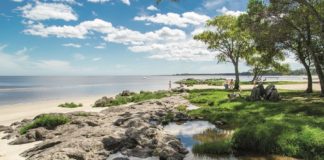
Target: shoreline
{"x": 20, "y": 111}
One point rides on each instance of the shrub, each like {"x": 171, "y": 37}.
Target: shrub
{"x": 218, "y": 147}
{"x": 182, "y": 108}
{"x": 131, "y": 97}
{"x": 48, "y": 121}
{"x": 70, "y": 105}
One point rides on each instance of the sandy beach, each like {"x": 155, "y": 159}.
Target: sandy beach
{"x": 18, "y": 112}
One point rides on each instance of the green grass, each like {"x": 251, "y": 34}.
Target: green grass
{"x": 70, "y": 105}
{"x": 135, "y": 97}
{"x": 48, "y": 121}
{"x": 182, "y": 108}
{"x": 217, "y": 147}
{"x": 293, "y": 126}
{"x": 220, "y": 82}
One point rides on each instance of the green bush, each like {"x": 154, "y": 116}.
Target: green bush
{"x": 134, "y": 97}
{"x": 182, "y": 108}
{"x": 70, "y": 105}
{"x": 48, "y": 121}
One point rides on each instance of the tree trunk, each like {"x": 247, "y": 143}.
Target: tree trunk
{"x": 320, "y": 74}
{"x": 302, "y": 58}
{"x": 237, "y": 77}
{"x": 309, "y": 79}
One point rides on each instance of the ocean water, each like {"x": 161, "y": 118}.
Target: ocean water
{"x": 20, "y": 89}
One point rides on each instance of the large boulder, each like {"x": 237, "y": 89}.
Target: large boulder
{"x": 103, "y": 102}
{"x": 257, "y": 93}
{"x": 271, "y": 93}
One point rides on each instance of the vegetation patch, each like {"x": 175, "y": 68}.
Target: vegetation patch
{"x": 70, "y": 105}
{"x": 292, "y": 127}
{"x": 182, "y": 108}
{"x": 133, "y": 97}
{"x": 220, "y": 82}
{"x": 48, "y": 121}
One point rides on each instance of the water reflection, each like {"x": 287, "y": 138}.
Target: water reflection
{"x": 193, "y": 133}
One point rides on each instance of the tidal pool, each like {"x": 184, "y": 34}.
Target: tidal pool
{"x": 193, "y": 133}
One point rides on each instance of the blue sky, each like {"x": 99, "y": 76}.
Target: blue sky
{"x": 109, "y": 37}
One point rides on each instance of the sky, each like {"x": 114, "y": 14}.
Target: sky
{"x": 110, "y": 37}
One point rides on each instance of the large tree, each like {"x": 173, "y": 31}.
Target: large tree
{"x": 228, "y": 40}
{"x": 287, "y": 25}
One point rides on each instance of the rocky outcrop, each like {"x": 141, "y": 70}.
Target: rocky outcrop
{"x": 259, "y": 93}
{"x": 124, "y": 129}
{"x": 103, "y": 102}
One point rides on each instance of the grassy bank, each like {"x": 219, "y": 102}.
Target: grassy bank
{"x": 220, "y": 82}
{"x": 292, "y": 127}
{"x": 131, "y": 97}
{"x": 49, "y": 121}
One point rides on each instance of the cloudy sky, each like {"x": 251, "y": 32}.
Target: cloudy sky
{"x": 109, "y": 37}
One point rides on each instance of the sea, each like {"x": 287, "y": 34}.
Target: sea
{"x": 21, "y": 89}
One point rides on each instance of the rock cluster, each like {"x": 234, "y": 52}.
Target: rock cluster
{"x": 269, "y": 93}
{"x": 124, "y": 129}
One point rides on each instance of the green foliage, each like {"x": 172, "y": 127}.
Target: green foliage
{"x": 136, "y": 97}
{"x": 49, "y": 121}
{"x": 167, "y": 118}
{"x": 70, "y": 105}
{"x": 217, "y": 147}
{"x": 182, "y": 108}
{"x": 293, "y": 126}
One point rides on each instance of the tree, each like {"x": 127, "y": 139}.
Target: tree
{"x": 287, "y": 25}
{"x": 230, "y": 42}
{"x": 261, "y": 63}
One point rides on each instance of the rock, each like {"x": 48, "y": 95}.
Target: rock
{"x": 139, "y": 152}
{"x": 120, "y": 121}
{"x": 6, "y": 129}
{"x": 111, "y": 143}
{"x": 126, "y": 93}
{"x": 271, "y": 93}
{"x": 179, "y": 116}
{"x": 103, "y": 102}
{"x": 257, "y": 93}
{"x": 115, "y": 129}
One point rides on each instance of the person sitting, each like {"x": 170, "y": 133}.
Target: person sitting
{"x": 231, "y": 84}
{"x": 226, "y": 84}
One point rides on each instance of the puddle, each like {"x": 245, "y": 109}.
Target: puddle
{"x": 192, "y": 133}
{"x": 121, "y": 156}
{"x": 192, "y": 107}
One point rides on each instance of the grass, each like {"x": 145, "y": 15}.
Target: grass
{"x": 292, "y": 127}
{"x": 70, "y": 105}
{"x": 220, "y": 82}
{"x": 217, "y": 147}
{"x": 182, "y": 108}
{"x": 134, "y": 97}
{"x": 49, "y": 121}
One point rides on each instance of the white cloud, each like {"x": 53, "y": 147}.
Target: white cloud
{"x": 19, "y": 63}
{"x": 17, "y": 0}
{"x": 100, "y": 46}
{"x": 96, "y": 59}
{"x": 189, "y": 50}
{"x": 79, "y": 56}
{"x": 45, "y": 11}
{"x": 127, "y": 36}
{"x": 209, "y": 4}
{"x": 78, "y": 31}
{"x": 225, "y": 11}
{"x": 127, "y": 2}
{"x": 152, "y": 8}
{"x": 98, "y": 1}
{"x": 71, "y": 45}
{"x": 174, "y": 19}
